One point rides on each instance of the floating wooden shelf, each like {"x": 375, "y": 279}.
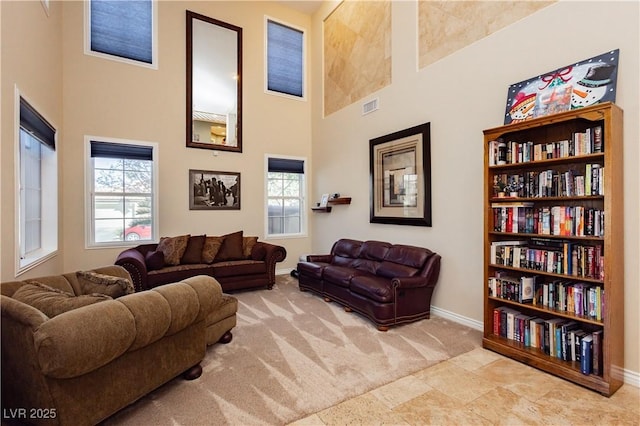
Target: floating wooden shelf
{"x": 340, "y": 200}
{"x": 322, "y": 209}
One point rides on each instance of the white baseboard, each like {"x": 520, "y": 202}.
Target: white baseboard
{"x": 631, "y": 378}
{"x": 285, "y": 271}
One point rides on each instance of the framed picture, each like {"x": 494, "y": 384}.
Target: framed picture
{"x": 578, "y": 85}
{"x": 324, "y": 200}
{"x": 400, "y": 177}
{"x": 210, "y": 190}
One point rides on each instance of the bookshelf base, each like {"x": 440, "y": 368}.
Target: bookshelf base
{"x": 559, "y": 368}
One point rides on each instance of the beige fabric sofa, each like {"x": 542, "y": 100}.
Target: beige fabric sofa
{"x": 83, "y": 365}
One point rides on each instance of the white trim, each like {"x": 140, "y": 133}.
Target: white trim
{"x": 154, "y": 39}
{"x": 88, "y": 194}
{"x": 304, "y": 96}
{"x": 50, "y": 223}
{"x": 304, "y": 215}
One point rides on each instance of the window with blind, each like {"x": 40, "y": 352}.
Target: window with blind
{"x": 285, "y": 59}
{"x": 122, "y": 185}
{"x": 38, "y": 189}
{"x": 285, "y": 196}
{"x": 122, "y": 30}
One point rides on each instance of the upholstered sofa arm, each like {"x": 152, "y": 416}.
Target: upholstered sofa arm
{"x": 319, "y": 258}
{"x": 431, "y": 269}
{"x": 133, "y": 261}
{"x": 270, "y": 254}
{"x": 409, "y": 282}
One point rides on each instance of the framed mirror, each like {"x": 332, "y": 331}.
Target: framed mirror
{"x": 214, "y": 84}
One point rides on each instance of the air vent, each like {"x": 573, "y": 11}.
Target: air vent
{"x": 370, "y": 106}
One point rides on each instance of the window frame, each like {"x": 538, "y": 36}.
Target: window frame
{"x": 89, "y": 231}
{"x": 48, "y": 194}
{"x": 154, "y": 39}
{"x": 266, "y": 59}
{"x": 304, "y": 216}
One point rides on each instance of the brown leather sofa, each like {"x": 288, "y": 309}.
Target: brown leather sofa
{"x": 91, "y": 355}
{"x": 390, "y": 284}
{"x": 250, "y": 267}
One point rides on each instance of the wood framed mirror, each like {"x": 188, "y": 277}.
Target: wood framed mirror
{"x": 214, "y": 84}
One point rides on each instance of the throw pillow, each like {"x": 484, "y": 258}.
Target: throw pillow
{"x": 247, "y": 246}
{"x": 211, "y": 248}
{"x": 154, "y": 260}
{"x": 231, "y": 248}
{"x": 52, "y": 301}
{"x": 173, "y": 248}
{"x": 193, "y": 252}
{"x": 92, "y": 282}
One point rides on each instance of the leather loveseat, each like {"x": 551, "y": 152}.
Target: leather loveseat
{"x": 390, "y": 284}
{"x": 91, "y": 355}
{"x": 234, "y": 260}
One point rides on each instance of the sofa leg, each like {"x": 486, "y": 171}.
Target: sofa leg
{"x": 326, "y": 299}
{"x": 226, "y": 337}
{"x": 383, "y": 328}
{"x": 193, "y": 373}
{"x": 348, "y": 309}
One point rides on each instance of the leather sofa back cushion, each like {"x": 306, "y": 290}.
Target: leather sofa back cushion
{"x": 193, "y": 252}
{"x": 374, "y": 250}
{"x": 347, "y": 248}
{"x": 173, "y": 248}
{"x": 408, "y": 255}
{"x": 231, "y": 248}
{"x": 393, "y": 270}
{"x": 93, "y": 282}
{"x": 51, "y": 301}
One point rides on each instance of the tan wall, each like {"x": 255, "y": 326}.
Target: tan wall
{"x": 32, "y": 61}
{"x": 111, "y": 99}
{"x": 460, "y": 95}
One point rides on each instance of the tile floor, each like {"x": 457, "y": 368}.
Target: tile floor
{"x": 482, "y": 388}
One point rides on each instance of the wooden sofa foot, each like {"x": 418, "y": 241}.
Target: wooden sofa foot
{"x": 226, "y": 337}
{"x": 193, "y": 373}
{"x": 326, "y": 299}
{"x": 383, "y": 328}
{"x": 348, "y": 309}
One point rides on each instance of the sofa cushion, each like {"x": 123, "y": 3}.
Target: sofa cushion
{"x": 232, "y": 268}
{"x": 392, "y": 270}
{"x": 193, "y": 252}
{"x": 173, "y": 248}
{"x": 408, "y": 255}
{"x": 231, "y": 248}
{"x": 347, "y": 248}
{"x": 372, "y": 287}
{"x": 210, "y": 248}
{"x": 247, "y": 246}
{"x": 339, "y": 275}
{"x": 93, "y": 282}
{"x": 374, "y": 250}
{"x": 154, "y": 260}
{"x": 51, "y": 301}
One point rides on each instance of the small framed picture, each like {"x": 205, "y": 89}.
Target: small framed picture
{"x": 324, "y": 200}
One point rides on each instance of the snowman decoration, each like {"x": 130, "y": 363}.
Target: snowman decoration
{"x": 593, "y": 86}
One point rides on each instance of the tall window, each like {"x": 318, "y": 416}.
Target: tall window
{"x": 38, "y": 189}
{"x": 285, "y": 59}
{"x": 122, "y": 191}
{"x": 285, "y": 197}
{"x": 125, "y": 30}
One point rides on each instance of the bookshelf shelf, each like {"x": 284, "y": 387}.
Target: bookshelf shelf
{"x": 560, "y": 243}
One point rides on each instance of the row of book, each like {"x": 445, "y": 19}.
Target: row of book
{"x": 581, "y": 143}
{"x": 552, "y": 183}
{"x": 582, "y": 299}
{"x": 557, "y": 337}
{"x": 523, "y": 218}
{"x": 552, "y": 256}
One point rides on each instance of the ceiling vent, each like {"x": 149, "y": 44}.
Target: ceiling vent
{"x": 369, "y": 107}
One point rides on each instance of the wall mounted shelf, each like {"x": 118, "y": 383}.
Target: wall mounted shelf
{"x": 332, "y": 201}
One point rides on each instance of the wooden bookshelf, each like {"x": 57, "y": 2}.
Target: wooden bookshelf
{"x": 577, "y": 234}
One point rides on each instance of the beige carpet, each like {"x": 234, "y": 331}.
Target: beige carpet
{"x": 294, "y": 354}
